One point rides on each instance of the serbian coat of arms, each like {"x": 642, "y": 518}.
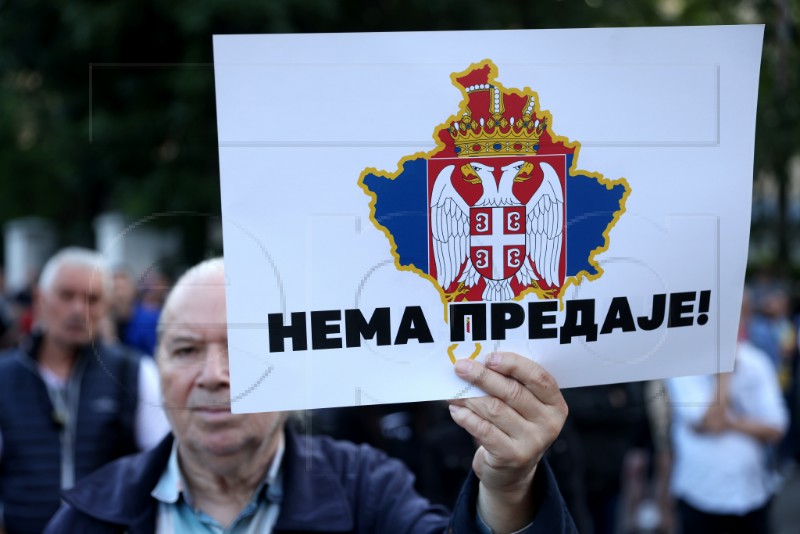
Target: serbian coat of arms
{"x": 498, "y": 210}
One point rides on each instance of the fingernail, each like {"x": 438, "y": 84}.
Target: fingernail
{"x": 463, "y": 366}
{"x": 454, "y": 409}
{"x": 494, "y": 359}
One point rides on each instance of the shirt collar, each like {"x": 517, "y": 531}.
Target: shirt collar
{"x": 171, "y": 486}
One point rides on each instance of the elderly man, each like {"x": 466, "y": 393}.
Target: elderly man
{"x": 68, "y": 403}
{"x": 249, "y": 473}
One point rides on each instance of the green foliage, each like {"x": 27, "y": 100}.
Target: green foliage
{"x": 110, "y": 105}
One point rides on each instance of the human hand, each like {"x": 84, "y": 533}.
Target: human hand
{"x": 514, "y": 426}
{"x": 715, "y": 421}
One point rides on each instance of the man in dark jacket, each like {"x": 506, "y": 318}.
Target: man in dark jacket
{"x": 69, "y": 403}
{"x": 246, "y": 472}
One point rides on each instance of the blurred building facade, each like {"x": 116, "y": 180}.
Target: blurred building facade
{"x": 138, "y": 246}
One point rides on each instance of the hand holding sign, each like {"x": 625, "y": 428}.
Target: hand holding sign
{"x": 514, "y": 426}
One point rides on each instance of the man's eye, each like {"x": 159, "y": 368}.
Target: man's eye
{"x": 182, "y": 352}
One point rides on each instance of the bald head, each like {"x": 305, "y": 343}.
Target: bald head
{"x": 205, "y": 277}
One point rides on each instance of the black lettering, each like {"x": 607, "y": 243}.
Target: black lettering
{"x": 356, "y": 327}
{"x": 659, "y": 311}
{"x": 459, "y": 312}
{"x": 702, "y": 307}
{"x": 575, "y": 327}
{"x": 506, "y": 316}
{"x": 537, "y": 320}
{"x": 680, "y": 309}
{"x": 413, "y": 326}
{"x": 278, "y": 332}
{"x": 321, "y": 328}
{"x": 619, "y": 316}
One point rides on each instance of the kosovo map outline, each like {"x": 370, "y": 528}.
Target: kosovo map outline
{"x": 498, "y": 209}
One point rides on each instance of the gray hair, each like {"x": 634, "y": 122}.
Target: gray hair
{"x": 76, "y": 256}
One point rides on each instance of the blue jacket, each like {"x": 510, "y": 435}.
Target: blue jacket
{"x": 329, "y": 486}
{"x": 43, "y": 441}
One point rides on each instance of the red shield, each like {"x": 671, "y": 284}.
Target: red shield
{"x": 497, "y": 240}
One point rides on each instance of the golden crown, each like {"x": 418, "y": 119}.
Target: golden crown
{"x": 497, "y": 135}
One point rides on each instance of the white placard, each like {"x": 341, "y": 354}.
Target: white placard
{"x": 394, "y": 201}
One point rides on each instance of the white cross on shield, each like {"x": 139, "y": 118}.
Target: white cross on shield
{"x": 497, "y": 240}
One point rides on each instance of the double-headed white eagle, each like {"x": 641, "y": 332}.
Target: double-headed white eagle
{"x": 450, "y": 226}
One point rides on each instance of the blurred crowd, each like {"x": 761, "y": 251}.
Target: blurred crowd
{"x": 133, "y": 309}
{"x": 632, "y": 458}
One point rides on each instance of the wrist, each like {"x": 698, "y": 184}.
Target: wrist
{"x": 507, "y": 509}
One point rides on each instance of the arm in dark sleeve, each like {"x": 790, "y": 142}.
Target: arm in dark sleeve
{"x": 552, "y": 515}
{"x": 68, "y": 520}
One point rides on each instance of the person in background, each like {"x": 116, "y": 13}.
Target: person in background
{"x": 219, "y": 471}
{"x": 767, "y": 324}
{"x": 8, "y": 327}
{"x": 22, "y": 305}
{"x": 134, "y": 320}
{"x": 68, "y": 402}
{"x": 153, "y": 289}
{"x": 722, "y": 426}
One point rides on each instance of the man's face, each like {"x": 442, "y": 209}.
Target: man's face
{"x": 123, "y": 295}
{"x": 195, "y": 382}
{"x": 72, "y": 308}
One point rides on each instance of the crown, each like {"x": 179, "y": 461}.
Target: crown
{"x": 497, "y": 134}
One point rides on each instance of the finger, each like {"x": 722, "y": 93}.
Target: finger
{"x": 532, "y": 375}
{"x": 511, "y": 391}
{"x": 484, "y": 432}
{"x": 501, "y": 415}
{"x": 537, "y": 431}
{"x": 499, "y": 449}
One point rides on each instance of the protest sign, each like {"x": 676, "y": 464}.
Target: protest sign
{"x": 392, "y": 202}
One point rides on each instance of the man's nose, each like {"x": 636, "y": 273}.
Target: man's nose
{"x": 78, "y": 304}
{"x": 215, "y": 372}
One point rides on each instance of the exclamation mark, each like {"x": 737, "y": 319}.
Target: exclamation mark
{"x": 702, "y": 307}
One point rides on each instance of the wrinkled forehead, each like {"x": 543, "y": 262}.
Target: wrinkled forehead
{"x": 196, "y": 305}
{"x": 80, "y": 278}
{"x": 195, "y": 332}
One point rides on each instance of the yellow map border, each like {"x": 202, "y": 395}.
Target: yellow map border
{"x": 574, "y": 280}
